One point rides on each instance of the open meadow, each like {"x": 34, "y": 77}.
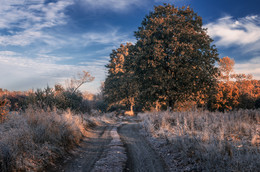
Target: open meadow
{"x": 206, "y": 141}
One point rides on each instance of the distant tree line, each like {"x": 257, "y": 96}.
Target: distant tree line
{"x": 49, "y": 98}
{"x": 173, "y": 66}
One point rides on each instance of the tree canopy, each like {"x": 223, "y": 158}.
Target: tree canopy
{"x": 120, "y": 86}
{"x": 175, "y": 56}
{"x": 172, "y": 60}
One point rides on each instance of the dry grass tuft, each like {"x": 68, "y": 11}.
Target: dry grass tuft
{"x": 210, "y": 141}
{"x": 35, "y": 138}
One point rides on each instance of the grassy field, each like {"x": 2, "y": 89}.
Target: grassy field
{"x": 35, "y": 138}
{"x": 200, "y": 140}
{"x": 209, "y": 141}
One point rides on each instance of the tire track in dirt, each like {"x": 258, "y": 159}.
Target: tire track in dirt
{"x": 140, "y": 156}
{"x": 86, "y": 155}
{"x": 114, "y": 158}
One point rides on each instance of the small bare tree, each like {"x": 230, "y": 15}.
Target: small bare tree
{"x": 76, "y": 82}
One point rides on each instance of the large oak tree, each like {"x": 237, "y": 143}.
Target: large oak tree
{"x": 175, "y": 59}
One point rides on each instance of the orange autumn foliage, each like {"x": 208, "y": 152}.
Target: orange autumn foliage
{"x": 233, "y": 91}
{"x": 4, "y": 109}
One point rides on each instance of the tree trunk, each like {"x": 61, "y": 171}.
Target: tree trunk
{"x": 171, "y": 103}
{"x": 132, "y": 103}
{"x": 157, "y": 106}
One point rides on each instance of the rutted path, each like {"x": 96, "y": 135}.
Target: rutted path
{"x": 113, "y": 148}
{"x": 114, "y": 158}
{"x": 90, "y": 151}
{"x": 141, "y": 157}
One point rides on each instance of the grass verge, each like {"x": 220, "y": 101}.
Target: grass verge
{"x": 31, "y": 140}
{"x": 206, "y": 141}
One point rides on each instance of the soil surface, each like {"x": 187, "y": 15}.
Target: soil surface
{"x": 84, "y": 157}
{"x": 140, "y": 156}
{"x": 119, "y": 145}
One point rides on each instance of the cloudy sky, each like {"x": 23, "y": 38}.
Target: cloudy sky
{"x": 48, "y": 41}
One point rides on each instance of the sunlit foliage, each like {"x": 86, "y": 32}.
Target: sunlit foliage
{"x": 4, "y": 109}
{"x": 121, "y": 87}
{"x": 234, "y": 91}
{"x": 172, "y": 61}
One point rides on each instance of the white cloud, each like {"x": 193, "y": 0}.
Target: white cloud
{"x": 228, "y": 31}
{"x": 25, "y": 21}
{"x": 51, "y": 59}
{"x": 7, "y": 53}
{"x": 19, "y": 73}
{"x": 110, "y": 37}
{"x": 100, "y": 62}
{"x": 250, "y": 67}
{"x": 114, "y": 5}
{"x": 243, "y": 35}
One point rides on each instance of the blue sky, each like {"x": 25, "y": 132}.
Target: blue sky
{"x": 48, "y": 41}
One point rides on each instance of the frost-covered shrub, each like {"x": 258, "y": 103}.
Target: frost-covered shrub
{"x": 32, "y": 139}
{"x": 210, "y": 141}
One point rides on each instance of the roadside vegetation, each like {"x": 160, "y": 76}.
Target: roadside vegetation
{"x": 34, "y": 138}
{"x": 39, "y": 127}
{"x": 207, "y": 141}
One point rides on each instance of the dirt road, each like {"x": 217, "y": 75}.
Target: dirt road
{"x": 140, "y": 156}
{"x": 97, "y": 148}
{"x": 85, "y": 156}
